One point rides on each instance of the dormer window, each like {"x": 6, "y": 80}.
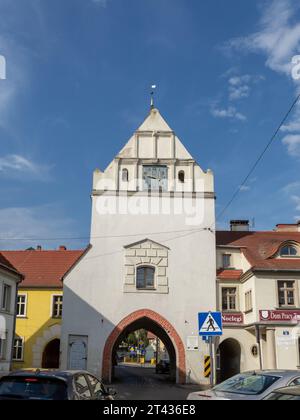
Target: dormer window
{"x": 145, "y": 278}
{"x": 125, "y": 175}
{"x": 289, "y": 251}
{"x": 181, "y": 177}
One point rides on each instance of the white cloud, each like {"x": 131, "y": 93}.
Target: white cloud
{"x": 296, "y": 200}
{"x": 40, "y": 223}
{"x": 102, "y": 3}
{"x": 292, "y": 142}
{"x": 291, "y": 187}
{"x": 240, "y": 86}
{"x": 231, "y": 112}
{"x": 245, "y": 188}
{"x": 17, "y": 165}
{"x": 278, "y": 37}
{"x": 16, "y": 81}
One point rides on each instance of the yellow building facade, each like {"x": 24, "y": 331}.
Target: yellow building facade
{"x": 39, "y": 306}
{"x": 38, "y": 328}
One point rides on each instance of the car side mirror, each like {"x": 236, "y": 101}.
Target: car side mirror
{"x": 112, "y": 392}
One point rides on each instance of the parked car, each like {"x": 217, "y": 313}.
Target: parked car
{"x": 163, "y": 366}
{"x": 53, "y": 385}
{"x": 290, "y": 393}
{"x": 249, "y": 386}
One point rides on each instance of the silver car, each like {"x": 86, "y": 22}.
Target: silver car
{"x": 291, "y": 393}
{"x": 250, "y": 385}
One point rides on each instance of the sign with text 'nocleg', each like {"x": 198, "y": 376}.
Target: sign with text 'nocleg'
{"x": 233, "y": 319}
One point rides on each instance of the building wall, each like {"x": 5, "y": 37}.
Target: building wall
{"x": 7, "y": 319}
{"x": 279, "y": 342}
{"x": 38, "y": 327}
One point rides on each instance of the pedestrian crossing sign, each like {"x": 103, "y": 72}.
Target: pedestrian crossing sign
{"x": 210, "y": 324}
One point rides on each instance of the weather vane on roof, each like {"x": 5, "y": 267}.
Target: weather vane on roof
{"x": 153, "y": 87}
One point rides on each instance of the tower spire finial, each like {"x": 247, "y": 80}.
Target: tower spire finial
{"x": 153, "y": 87}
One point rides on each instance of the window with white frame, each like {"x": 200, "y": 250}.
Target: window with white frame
{"x": 21, "y": 305}
{"x": 226, "y": 261}
{"x": 248, "y": 301}
{"x": 57, "y": 306}
{"x": 2, "y": 348}
{"x": 6, "y": 298}
{"x": 229, "y": 298}
{"x": 287, "y": 293}
{"x": 18, "y": 350}
{"x": 289, "y": 251}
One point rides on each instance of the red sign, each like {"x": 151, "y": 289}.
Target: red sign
{"x": 279, "y": 316}
{"x": 233, "y": 319}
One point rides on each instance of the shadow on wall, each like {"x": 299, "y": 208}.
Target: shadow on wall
{"x": 36, "y": 344}
{"x": 113, "y": 335}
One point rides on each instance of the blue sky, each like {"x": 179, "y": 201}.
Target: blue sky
{"x": 77, "y": 86}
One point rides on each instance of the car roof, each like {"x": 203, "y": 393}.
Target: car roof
{"x": 290, "y": 390}
{"x": 276, "y": 372}
{"x": 64, "y": 374}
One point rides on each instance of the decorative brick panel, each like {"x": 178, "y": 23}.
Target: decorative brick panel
{"x": 146, "y": 252}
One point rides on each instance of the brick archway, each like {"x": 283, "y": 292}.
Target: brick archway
{"x": 163, "y": 324}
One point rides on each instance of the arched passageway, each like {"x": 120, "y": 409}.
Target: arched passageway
{"x": 157, "y": 325}
{"x": 51, "y": 354}
{"x": 229, "y": 354}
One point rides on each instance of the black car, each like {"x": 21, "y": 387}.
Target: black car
{"x": 53, "y": 385}
{"x": 163, "y": 366}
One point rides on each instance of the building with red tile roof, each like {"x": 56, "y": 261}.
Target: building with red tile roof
{"x": 258, "y": 284}
{"x": 42, "y": 268}
{"x": 39, "y": 303}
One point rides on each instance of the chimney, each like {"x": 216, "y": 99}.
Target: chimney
{"x": 39, "y": 248}
{"x": 62, "y": 248}
{"x": 288, "y": 227}
{"x": 239, "y": 225}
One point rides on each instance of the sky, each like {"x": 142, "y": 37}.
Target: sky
{"x": 78, "y": 76}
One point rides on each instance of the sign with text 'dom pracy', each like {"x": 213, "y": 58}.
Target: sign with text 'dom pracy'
{"x": 210, "y": 324}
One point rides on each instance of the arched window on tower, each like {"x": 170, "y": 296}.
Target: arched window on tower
{"x": 125, "y": 175}
{"x": 145, "y": 278}
{"x": 181, "y": 177}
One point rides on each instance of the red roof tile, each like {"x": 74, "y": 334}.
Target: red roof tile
{"x": 4, "y": 263}
{"x": 229, "y": 274}
{"x": 42, "y": 268}
{"x": 259, "y": 248}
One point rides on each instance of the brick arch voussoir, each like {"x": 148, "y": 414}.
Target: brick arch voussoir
{"x": 163, "y": 323}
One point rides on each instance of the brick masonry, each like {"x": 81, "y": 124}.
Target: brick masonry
{"x": 163, "y": 323}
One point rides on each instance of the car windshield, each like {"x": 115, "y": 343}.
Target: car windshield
{"x": 276, "y": 396}
{"x": 247, "y": 384}
{"x": 33, "y": 388}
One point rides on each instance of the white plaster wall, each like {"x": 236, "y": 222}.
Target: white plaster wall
{"x": 98, "y": 282}
{"x": 8, "y": 318}
{"x": 246, "y": 340}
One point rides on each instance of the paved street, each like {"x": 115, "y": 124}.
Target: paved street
{"x": 137, "y": 383}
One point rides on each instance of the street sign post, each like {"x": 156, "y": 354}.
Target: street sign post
{"x": 210, "y": 326}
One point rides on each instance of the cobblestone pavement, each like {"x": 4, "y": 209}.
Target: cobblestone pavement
{"x": 138, "y": 383}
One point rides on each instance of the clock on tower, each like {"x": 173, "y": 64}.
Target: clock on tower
{"x": 155, "y": 178}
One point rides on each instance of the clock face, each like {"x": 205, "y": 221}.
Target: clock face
{"x": 155, "y": 178}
